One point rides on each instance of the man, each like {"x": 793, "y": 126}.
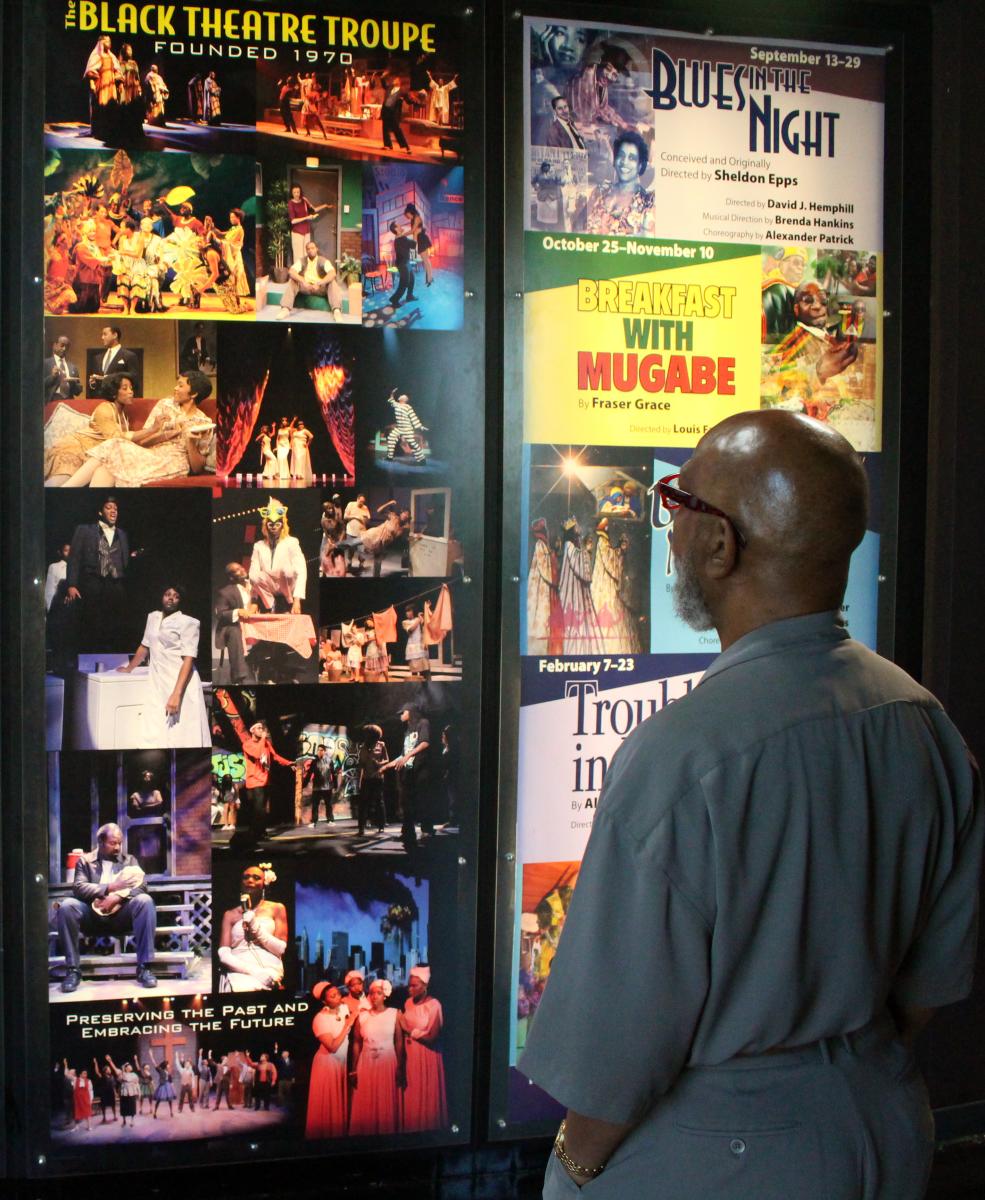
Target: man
{"x": 99, "y": 556}
{"x": 563, "y": 132}
{"x": 801, "y": 371}
{"x": 402, "y": 247}
{"x": 108, "y": 899}
{"x": 321, "y": 772}
{"x": 55, "y": 579}
{"x": 286, "y": 1074}
{"x": 186, "y": 1085}
{"x": 390, "y": 114}
{"x": 287, "y": 90}
{"x": 779, "y": 282}
{"x": 258, "y": 754}
{"x": 789, "y": 856}
{"x": 223, "y": 1079}
{"x": 232, "y": 605}
{"x": 311, "y": 276}
{"x": 588, "y": 91}
{"x": 116, "y": 359}
{"x": 61, "y": 377}
{"x": 406, "y": 425}
{"x": 194, "y": 350}
{"x": 413, "y": 769}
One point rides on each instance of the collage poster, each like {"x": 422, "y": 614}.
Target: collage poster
{"x": 702, "y": 235}
{"x": 260, "y": 542}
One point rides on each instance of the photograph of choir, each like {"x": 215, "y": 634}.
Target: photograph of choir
{"x": 587, "y": 551}
{"x": 151, "y": 234}
{"x": 254, "y": 489}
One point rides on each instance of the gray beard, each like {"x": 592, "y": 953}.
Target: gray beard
{"x": 689, "y": 603}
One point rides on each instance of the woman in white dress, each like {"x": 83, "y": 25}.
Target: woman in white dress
{"x": 174, "y": 713}
{"x": 301, "y": 439}
{"x": 378, "y": 1065}
{"x": 268, "y": 464}
{"x": 254, "y": 936}
{"x": 620, "y": 632}
{"x": 282, "y": 448}
{"x": 582, "y": 634}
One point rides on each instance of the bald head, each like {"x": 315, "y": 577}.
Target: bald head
{"x": 797, "y": 491}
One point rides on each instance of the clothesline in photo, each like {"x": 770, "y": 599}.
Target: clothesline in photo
{"x": 404, "y": 603}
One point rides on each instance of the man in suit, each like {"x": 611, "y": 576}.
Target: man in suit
{"x": 311, "y": 276}
{"x": 562, "y": 131}
{"x": 390, "y": 114}
{"x": 61, "y": 377}
{"x": 232, "y": 603}
{"x": 116, "y": 360}
{"x": 96, "y": 578}
{"x": 108, "y": 898}
{"x": 402, "y": 246}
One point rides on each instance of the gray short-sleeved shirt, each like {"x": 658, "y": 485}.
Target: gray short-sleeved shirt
{"x": 773, "y": 857}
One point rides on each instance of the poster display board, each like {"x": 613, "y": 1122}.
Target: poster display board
{"x": 702, "y": 234}
{"x": 264, "y": 549}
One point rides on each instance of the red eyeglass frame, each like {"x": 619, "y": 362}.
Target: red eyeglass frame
{"x": 672, "y": 498}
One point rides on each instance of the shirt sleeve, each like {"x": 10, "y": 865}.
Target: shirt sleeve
{"x": 150, "y": 628}
{"x": 938, "y": 968}
{"x": 188, "y": 639}
{"x": 632, "y": 937}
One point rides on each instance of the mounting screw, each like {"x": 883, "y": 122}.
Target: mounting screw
{"x": 509, "y": 857}
{"x": 514, "y": 579}
{"x": 39, "y": 878}
{"x": 454, "y": 1129}
{"x": 886, "y": 312}
{"x": 890, "y": 49}
{"x": 254, "y": 1145}
{"x": 881, "y": 578}
{"x": 36, "y": 581}
{"x": 466, "y": 579}
{"x": 517, "y": 14}
{"x": 469, "y": 11}
{"x": 41, "y": 1160}
{"x": 37, "y": 278}
{"x": 469, "y": 295}
{"x": 463, "y": 862}
{"x": 709, "y": 32}
{"x": 518, "y": 295}
{"x": 501, "y": 1123}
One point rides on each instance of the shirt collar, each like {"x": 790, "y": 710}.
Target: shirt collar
{"x": 778, "y": 636}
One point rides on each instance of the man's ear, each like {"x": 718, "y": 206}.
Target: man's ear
{"x": 721, "y": 548}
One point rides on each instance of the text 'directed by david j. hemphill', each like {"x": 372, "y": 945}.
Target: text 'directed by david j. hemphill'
{"x": 264, "y": 552}
{"x": 702, "y": 234}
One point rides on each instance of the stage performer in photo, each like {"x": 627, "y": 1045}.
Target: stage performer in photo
{"x": 268, "y": 462}
{"x": 328, "y": 1091}
{"x": 108, "y": 421}
{"x": 96, "y": 577}
{"x": 301, "y": 439}
{"x": 278, "y": 571}
{"x": 282, "y": 449}
{"x": 175, "y": 715}
{"x": 312, "y": 275}
{"x": 378, "y": 1065}
{"x": 588, "y": 91}
{"x": 104, "y": 76}
{"x": 406, "y": 425}
{"x": 301, "y": 213}
{"x": 233, "y": 603}
{"x": 62, "y": 380}
{"x": 403, "y": 244}
{"x": 624, "y": 205}
{"x": 131, "y": 99}
{"x": 545, "y": 621}
{"x": 391, "y": 113}
{"x": 582, "y": 634}
{"x": 287, "y": 90}
{"x": 439, "y": 101}
{"x": 60, "y": 296}
{"x": 355, "y": 985}
{"x": 371, "y": 758}
{"x": 157, "y": 93}
{"x": 322, "y": 774}
{"x": 422, "y": 1101}
{"x": 212, "y": 100}
{"x": 258, "y": 754}
{"x": 108, "y": 899}
{"x": 424, "y": 243}
{"x": 254, "y": 936}
{"x": 233, "y": 240}
{"x": 620, "y": 629}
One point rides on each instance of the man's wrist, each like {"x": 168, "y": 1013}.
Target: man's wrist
{"x": 580, "y": 1172}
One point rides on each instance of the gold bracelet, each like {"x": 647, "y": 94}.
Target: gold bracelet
{"x": 566, "y": 1161}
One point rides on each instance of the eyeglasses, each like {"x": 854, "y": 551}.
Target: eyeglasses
{"x": 671, "y": 498}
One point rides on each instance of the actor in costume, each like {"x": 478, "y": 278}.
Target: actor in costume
{"x": 413, "y": 769}
{"x": 116, "y": 359}
{"x": 301, "y": 439}
{"x": 588, "y": 91}
{"x": 61, "y": 376}
{"x": 254, "y": 937}
{"x": 620, "y": 633}
{"x": 301, "y": 213}
{"x": 801, "y": 372}
{"x": 545, "y": 621}
{"x": 104, "y": 75}
{"x": 328, "y": 1090}
{"x": 422, "y": 1102}
{"x": 231, "y": 605}
{"x": 406, "y": 425}
{"x": 212, "y": 100}
{"x": 778, "y": 286}
{"x": 258, "y": 753}
{"x": 390, "y": 115}
{"x": 403, "y": 244}
{"x": 96, "y": 576}
{"x": 371, "y": 758}
{"x": 322, "y": 776}
{"x": 562, "y": 131}
{"x": 377, "y": 1061}
{"x": 174, "y": 715}
{"x": 312, "y": 275}
{"x": 278, "y": 571}
{"x": 59, "y": 274}
{"x": 582, "y": 634}
{"x": 108, "y": 899}
{"x": 157, "y": 93}
{"x": 68, "y": 456}
{"x": 420, "y": 236}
